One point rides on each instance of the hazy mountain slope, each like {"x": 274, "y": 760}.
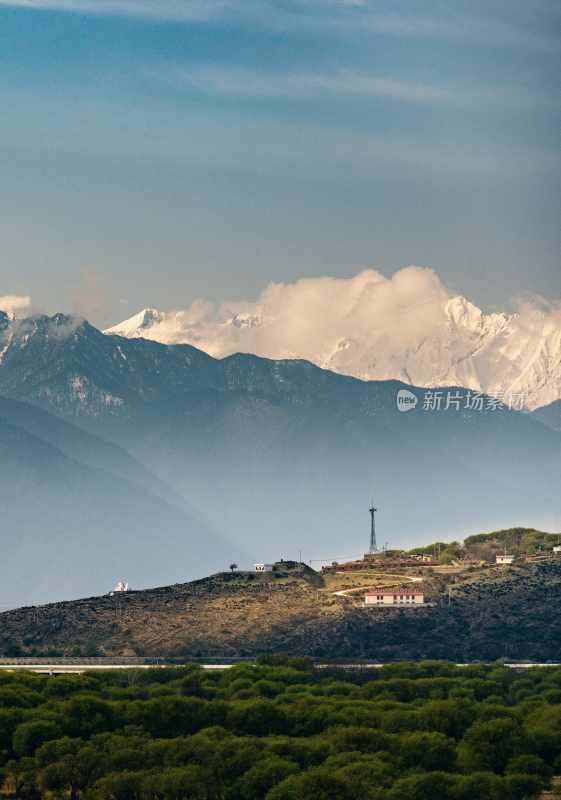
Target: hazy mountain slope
{"x": 283, "y": 456}
{"x": 434, "y": 340}
{"x": 550, "y": 415}
{"x": 82, "y": 446}
{"x": 68, "y": 529}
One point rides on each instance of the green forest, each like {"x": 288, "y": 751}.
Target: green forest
{"x": 281, "y": 729}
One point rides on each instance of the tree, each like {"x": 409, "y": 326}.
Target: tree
{"x": 319, "y": 784}
{"x": 429, "y": 751}
{"x": 30, "y": 735}
{"x": 233, "y": 567}
{"x": 119, "y": 786}
{"x": 521, "y": 787}
{"x": 480, "y": 785}
{"x": 183, "y": 783}
{"x": 528, "y": 764}
{"x": 428, "y": 786}
{"x": 489, "y": 745}
{"x": 73, "y": 772}
{"x": 257, "y": 717}
{"x": 10, "y": 718}
{"x": 22, "y": 778}
{"x": 268, "y": 772}
{"x": 88, "y": 714}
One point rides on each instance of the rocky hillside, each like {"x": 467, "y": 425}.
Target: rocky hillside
{"x": 485, "y": 614}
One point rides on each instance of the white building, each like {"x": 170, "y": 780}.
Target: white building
{"x": 394, "y": 597}
{"x": 121, "y": 587}
{"x": 505, "y": 560}
{"x": 557, "y": 548}
{"x": 263, "y": 567}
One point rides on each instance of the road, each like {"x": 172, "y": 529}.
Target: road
{"x": 79, "y": 669}
{"x": 346, "y": 592}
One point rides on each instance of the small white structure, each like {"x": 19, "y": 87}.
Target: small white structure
{"x": 557, "y": 549}
{"x": 121, "y": 587}
{"x": 505, "y": 560}
{"x": 394, "y": 597}
{"x": 263, "y": 567}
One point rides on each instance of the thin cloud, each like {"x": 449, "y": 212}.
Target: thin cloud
{"x": 249, "y": 83}
{"x": 337, "y": 16}
{"x": 179, "y": 10}
{"x": 265, "y": 146}
{"x": 253, "y": 84}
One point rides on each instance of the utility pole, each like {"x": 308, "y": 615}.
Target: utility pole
{"x": 373, "y": 543}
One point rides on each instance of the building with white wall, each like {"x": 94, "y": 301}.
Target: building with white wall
{"x": 394, "y": 597}
{"x": 505, "y": 560}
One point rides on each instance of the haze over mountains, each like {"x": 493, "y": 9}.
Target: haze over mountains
{"x": 410, "y": 328}
{"x": 235, "y": 459}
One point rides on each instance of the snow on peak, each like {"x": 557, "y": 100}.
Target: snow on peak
{"x": 408, "y": 327}
{"x": 464, "y": 315}
{"x": 135, "y": 326}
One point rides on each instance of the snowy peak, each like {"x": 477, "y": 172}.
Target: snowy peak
{"x": 136, "y": 326}
{"x": 408, "y": 327}
{"x": 465, "y": 316}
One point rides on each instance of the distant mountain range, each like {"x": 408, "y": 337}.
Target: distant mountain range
{"x": 79, "y": 513}
{"x": 275, "y": 456}
{"x": 450, "y": 342}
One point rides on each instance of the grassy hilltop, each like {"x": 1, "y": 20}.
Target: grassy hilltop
{"x": 486, "y": 546}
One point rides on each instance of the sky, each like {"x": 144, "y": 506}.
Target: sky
{"x": 156, "y": 151}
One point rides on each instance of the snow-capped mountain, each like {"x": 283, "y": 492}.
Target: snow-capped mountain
{"x": 251, "y": 442}
{"x": 409, "y": 328}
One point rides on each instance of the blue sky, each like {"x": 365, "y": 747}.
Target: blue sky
{"x": 155, "y": 151}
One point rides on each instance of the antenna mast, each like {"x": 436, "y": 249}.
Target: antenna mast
{"x": 373, "y": 543}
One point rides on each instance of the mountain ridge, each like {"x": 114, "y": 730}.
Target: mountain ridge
{"x": 279, "y": 456}
{"x": 516, "y": 355}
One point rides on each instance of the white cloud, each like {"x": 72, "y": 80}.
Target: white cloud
{"x": 313, "y": 315}
{"x": 15, "y": 304}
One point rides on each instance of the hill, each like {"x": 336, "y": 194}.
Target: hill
{"x": 476, "y": 613}
{"x": 486, "y": 546}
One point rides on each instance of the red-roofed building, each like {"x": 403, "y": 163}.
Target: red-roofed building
{"x": 394, "y": 596}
